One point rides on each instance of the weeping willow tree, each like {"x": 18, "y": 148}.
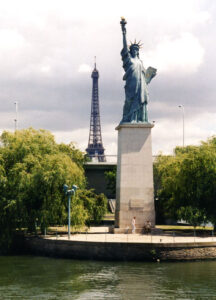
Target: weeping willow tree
{"x": 33, "y": 170}
{"x": 186, "y": 183}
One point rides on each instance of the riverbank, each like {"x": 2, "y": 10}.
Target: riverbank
{"x": 98, "y": 244}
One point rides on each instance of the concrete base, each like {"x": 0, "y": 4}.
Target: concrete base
{"x": 135, "y": 194}
{"x": 121, "y": 251}
{"x": 153, "y": 231}
{"x": 124, "y": 230}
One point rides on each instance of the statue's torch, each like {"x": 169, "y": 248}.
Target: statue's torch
{"x": 123, "y": 23}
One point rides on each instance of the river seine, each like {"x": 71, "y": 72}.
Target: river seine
{"x": 30, "y": 277}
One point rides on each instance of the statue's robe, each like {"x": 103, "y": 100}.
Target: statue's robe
{"x": 136, "y": 93}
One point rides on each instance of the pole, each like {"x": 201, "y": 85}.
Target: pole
{"x": 69, "y": 201}
{"x": 69, "y": 193}
{"x": 183, "y": 124}
{"x": 183, "y": 119}
{"x": 16, "y": 120}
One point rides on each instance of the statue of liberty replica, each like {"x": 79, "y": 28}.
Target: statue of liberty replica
{"x": 134, "y": 185}
{"x": 137, "y": 79}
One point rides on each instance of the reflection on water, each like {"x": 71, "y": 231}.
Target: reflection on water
{"x": 29, "y": 277}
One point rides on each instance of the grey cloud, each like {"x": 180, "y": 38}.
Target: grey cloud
{"x": 60, "y": 100}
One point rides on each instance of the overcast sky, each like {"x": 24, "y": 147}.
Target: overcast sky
{"x": 47, "y": 51}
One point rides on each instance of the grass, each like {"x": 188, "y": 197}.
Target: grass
{"x": 182, "y": 227}
{"x": 64, "y": 229}
{"x": 163, "y": 227}
{"x": 109, "y": 217}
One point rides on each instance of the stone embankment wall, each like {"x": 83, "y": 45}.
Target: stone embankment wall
{"x": 120, "y": 251}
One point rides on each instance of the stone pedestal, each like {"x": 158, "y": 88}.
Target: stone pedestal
{"x": 135, "y": 191}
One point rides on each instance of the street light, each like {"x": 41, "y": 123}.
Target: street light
{"x": 182, "y": 107}
{"x": 69, "y": 193}
{"x": 16, "y": 120}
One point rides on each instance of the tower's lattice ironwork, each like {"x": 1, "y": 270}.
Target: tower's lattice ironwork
{"x": 95, "y": 148}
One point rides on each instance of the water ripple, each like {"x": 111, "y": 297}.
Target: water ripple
{"x": 29, "y": 277}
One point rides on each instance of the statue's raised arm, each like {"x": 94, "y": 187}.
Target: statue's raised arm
{"x": 123, "y": 27}
{"x": 136, "y": 79}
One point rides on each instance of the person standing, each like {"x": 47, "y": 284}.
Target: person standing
{"x": 133, "y": 223}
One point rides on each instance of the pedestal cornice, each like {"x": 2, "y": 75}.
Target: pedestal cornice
{"x": 134, "y": 125}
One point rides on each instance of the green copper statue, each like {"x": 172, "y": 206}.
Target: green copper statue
{"x": 137, "y": 78}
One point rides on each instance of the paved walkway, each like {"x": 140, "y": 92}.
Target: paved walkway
{"x": 100, "y": 234}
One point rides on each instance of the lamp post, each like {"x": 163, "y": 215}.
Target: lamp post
{"x": 183, "y": 125}
{"x": 69, "y": 193}
{"x": 16, "y": 120}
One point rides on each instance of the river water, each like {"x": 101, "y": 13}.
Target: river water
{"x": 29, "y": 277}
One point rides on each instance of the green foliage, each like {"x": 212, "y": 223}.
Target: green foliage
{"x": 33, "y": 169}
{"x": 95, "y": 205}
{"x": 75, "y": 154}
{"x": 111, "y": 180}
{"x": 7, "y": 223}
{"x": 187, "y": 179}
{"x": 192, "y": 215}
{"x": 87, "y": 208}
{"x": 79, "y": 215}
{"x": 164, "y": 174}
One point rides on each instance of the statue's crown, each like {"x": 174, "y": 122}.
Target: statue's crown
{"x": 135, "y": 45}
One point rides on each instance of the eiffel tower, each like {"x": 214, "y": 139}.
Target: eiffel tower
{"x": 95, "y": 150}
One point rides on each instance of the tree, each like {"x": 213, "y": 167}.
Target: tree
{"x": 110, "y": 177}
{"x": 7, "y": 211}
{"x": 33, "y": 169}
{"x": 194, "y": 216}
{"x": 188, "y": 179}
{"x": 95, "y": 205}
{"x": 164, "y": 169}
